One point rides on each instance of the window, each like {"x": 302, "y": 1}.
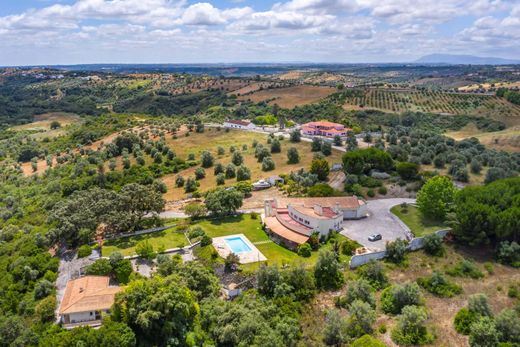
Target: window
{"x": 91, "y": 313}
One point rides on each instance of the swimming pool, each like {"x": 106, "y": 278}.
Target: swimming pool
{"x": 237, "y": 245}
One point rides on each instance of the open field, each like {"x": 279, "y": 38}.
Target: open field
{"x": 43, "y": 122}
{"x": 211, "y": 139}
{"x": 418, "y": 224}
{"x": 291, "y": 96}
{"x": 486, "y": 86}
{"x": 441, "y": 311}
{"x": 506, "y": 140}
{"x": 436, "y": 102}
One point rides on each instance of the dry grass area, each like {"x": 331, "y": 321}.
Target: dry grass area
{"x": 506, "y": 140}
{"x": 486, "y": 86}
{"x": 291, "y": 96}
{"x": 441, "y": 311}
{"x": 211, "y": 139}
{"x": 43, "y": 122}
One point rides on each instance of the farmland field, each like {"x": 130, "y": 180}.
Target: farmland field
{"x": 211, "y": 139}
{"x": 435, "y": 102}
{"x": 291, "y": 96}
{"x": 43, "y": 122}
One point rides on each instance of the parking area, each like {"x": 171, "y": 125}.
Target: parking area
{"x": 379, "y": 221}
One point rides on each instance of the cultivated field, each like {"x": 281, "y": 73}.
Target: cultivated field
{"x": 211, "y": 139}
{"x": 291, "y": 96}
{"x": 436, "y": 102}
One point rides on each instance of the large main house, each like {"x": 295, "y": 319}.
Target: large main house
{"x": 324, "y": 128}
{"x": 291, "y": 221}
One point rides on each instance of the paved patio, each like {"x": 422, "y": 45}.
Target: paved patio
{"x": 379, "y": 221}
{"x": 244, "y": 257}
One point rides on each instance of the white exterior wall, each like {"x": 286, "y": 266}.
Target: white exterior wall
{"x": 318, "y": 224}
{"x": 238, "y": 126}
{"x": 360, "y": 212}
{"x": 82, "y": 316}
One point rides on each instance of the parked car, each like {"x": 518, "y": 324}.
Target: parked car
{"x": 375, "y": 237}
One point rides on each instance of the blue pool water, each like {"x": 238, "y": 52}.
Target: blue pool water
{"x": 237, "y": 245}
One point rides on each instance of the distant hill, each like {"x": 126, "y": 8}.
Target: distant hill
{"x": 464, "y": 59}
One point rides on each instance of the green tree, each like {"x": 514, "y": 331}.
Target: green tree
{"x": 326, "y": 148}
{"x": 162, "y": 309}
{"x": 144, "y": 249}
{"x": 206, "y": 159}
{"x": 407, "y": 171}
{"x": 396, "y": 297}
{"x": 267, "y": 278}
{"x": 483, "y": 333}
{"x": 327, "y": 271}
{"x": 275, "y": 146}
{"x": 360, "y": 290}
{"x": 293, "y": 157}
{"x": 411, "y": 328}
{"x": 361, "y": 319}
{"x": 316, "y": 144}
{"x": 367, "y": 341}
{"x": 223, "y": 201}
{"x": 320, "y": 167}
{"x": 268, "y": 164}
{"x": 436, "y": 197}
{"x": 199, "y": 173}
{"x": 507, "y": 324}
{"x": 190, "y": 185}
{"x": 243, "y": 173}
{"x": 237, "y": 159}
{"x": 295, "y": 135}
{"x": 335, "y": 332}
{"x": 230, "y": 171}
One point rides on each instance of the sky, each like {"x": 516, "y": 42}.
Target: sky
{"x": 38, "y": 32}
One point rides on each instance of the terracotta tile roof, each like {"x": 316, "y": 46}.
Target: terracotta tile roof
{"x": 89, "y": 293}
{"x": 324, "y": 124}
{"x": 345, "y": 202}
{"x": 239, "y": 122}
{"x": 276, "y": 227}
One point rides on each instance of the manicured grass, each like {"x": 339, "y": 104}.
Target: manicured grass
{"x": 417, "y": 223}
{"x": 169, "y": 238}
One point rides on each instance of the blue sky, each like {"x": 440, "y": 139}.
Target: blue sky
{"x": 181, "y": 31}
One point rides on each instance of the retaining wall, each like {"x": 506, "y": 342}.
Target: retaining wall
{"x": 415, "y": 244}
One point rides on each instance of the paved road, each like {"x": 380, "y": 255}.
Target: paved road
{"x": 379, "y": 221}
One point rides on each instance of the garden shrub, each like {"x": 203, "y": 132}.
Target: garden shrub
{"x": 84, "y": 251}
{"x": 465, "y": 268}
{"x": 463, "y": 321}
{"x": 411, "y": 329}
{"x": 382, "y": 190}
{"x": 396, "y": 250}
{"x": 438, "y": 284}
{"x": 509, "y": 253}
{"x": 433, "y": 245}
{"x": 348, "y": 247}
{"x": 396, "y": 297}
{"x": 367, "y": 341}
{"x": 374, "y": 273}
{"x": 304, "y": 250}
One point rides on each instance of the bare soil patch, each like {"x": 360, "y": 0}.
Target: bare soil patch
{"x": 291, "y": 96}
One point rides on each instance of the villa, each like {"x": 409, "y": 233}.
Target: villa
{"x": 291, "y": 221}
{"x": 239, "y": 124}
{"x": 324, "y": 128}
{"x": 85, "y": 299}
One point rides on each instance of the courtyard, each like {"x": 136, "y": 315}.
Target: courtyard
{"x": 380, "y": 220}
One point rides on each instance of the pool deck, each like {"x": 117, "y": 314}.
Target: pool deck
{"x": 244, "y": 257}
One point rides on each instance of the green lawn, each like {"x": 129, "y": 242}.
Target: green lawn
{"x": 418, "y": 224}
{"x": 241, "y": 224}
{"x": 169, "y": 238}
{"x": 251, "y": 228}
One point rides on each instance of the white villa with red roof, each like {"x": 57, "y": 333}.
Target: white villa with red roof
{"x": 324, "y": 128}
{"x": 293, "y": 220}
{"x": 239, "y": 124}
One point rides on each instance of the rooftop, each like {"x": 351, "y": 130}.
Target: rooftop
{"x": 344, "y": 202}
{"x": 89, "y": 293}
{"x": 276, "y": 227}
{"x": 323, "y": 124}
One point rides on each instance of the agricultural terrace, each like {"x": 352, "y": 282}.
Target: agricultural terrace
{"x": 211, "y": 139}
{"x": 434, "y": 102}
{"x": 241, "y": 224}
{"x": 291, "y": 96}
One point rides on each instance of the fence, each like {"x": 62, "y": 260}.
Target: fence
{"x": 415, "y": 244}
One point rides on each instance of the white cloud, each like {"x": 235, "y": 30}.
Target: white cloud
{"x": 202, "y": 13}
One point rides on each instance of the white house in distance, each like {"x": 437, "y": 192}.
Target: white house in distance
{"x": 239, "y": 124}
{"x": 85, "y": 299}
{"x": 293, "y": 220}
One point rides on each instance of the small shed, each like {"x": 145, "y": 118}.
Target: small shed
{"x": 273, "y": 180}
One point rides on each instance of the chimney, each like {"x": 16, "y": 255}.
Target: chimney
{"x": 318, "y": 210}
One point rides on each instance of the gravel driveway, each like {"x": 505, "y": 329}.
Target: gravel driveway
{"x": 379, "y": 221}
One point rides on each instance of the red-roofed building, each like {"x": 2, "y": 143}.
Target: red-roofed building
{"x": 324, "y": 128}
{"x": 293, "y": 220}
